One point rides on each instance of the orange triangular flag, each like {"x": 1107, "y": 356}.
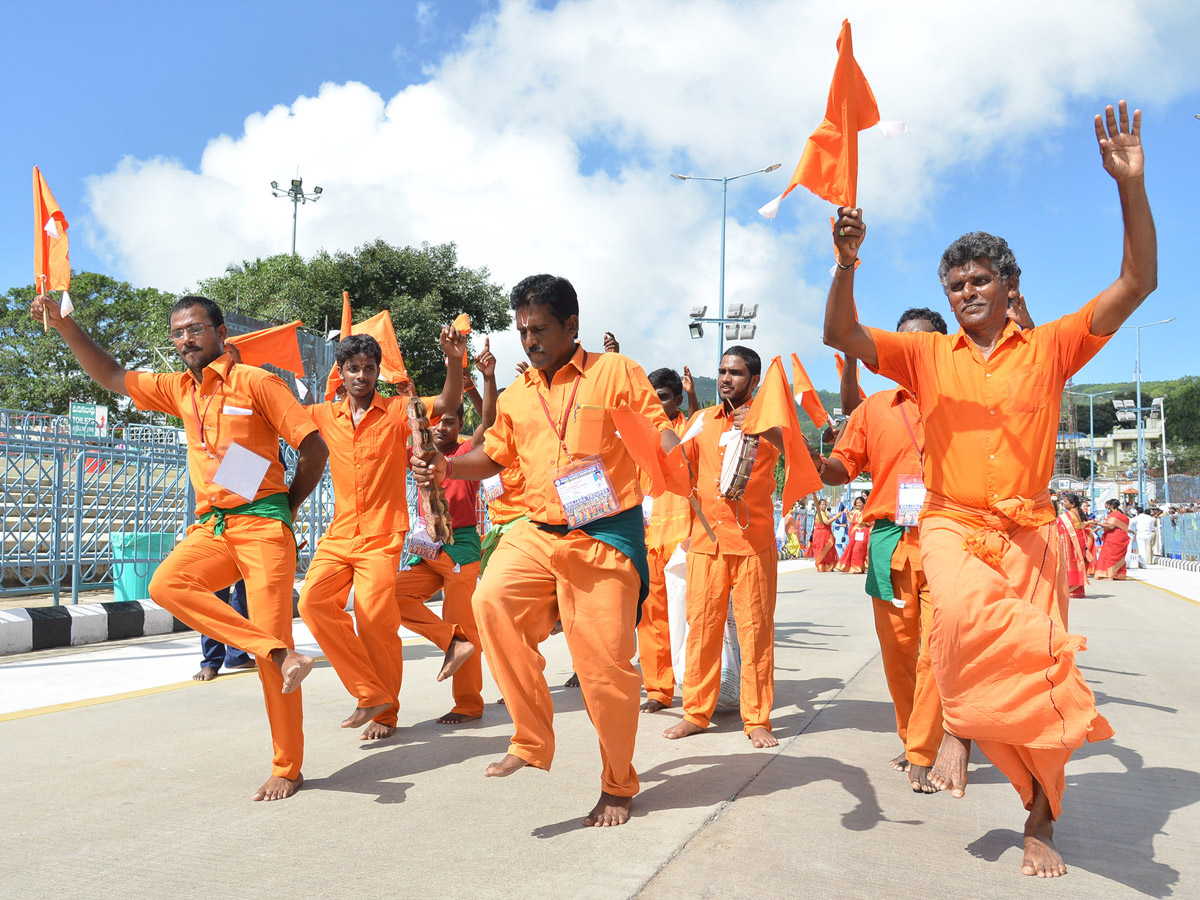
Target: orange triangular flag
{"x": 278, "y": 346}
{"x": 829, "y": 164}
{"x": 806, "y": 395}
{"x": 462, "y": 323}
{"x": 666, "y": 472}
{"x": 772, "y": 407}
{"x": 51, "y": 265}
{"x": 380, "y": 327}
{"x": 841, "y": 365}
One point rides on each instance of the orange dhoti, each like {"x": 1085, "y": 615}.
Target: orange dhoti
{"x": 367, "y": 660}
{"x": 263, "y": 553}
{"x": 711, "y": 579}
{"x": 533, "y": 579}
{"x": 904, "y": 643}
{"x": 415, "y": 585}
{"x": 1004, "y": 661}
{"x": 654, "y": 633}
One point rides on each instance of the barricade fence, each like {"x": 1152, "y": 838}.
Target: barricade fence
{"x": 1181, "y": 536}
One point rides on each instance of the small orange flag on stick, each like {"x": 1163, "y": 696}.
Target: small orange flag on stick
{"x": 666, "y": 472}
{"x": 51, "y": 263}
{"x": 829, "y": 165}
{"x": 773, "y": 408}
{"x": 278, "y": 346}
{"x": 806, "y": 395}
{"x": 380, "y": 327}
{"x": 841, "y": 366}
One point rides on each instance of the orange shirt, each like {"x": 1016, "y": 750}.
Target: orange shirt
{"x": 877, "y": 440}
{"x": 245, "y": 405}
{"x": 368, "y": 466}
{"x": 581, "y": 395}
{"x": 511, "y": 503}
{"x": 706, "y": 453}
{"x": 991, "y": 425}
{"x": 670, "y": 514}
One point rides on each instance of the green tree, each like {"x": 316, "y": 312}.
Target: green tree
{"x": 38, "y": 371}
{"x": 423, "y": 287}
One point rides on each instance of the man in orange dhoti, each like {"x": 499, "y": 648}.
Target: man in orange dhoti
{"x": 886, "y": 437}
{"x": 233, "y": 413}
{"x": 581, "y": 556}
{"x": 989, "y": 397}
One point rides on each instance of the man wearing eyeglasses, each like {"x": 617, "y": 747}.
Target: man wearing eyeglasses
{"x": 234, "y": 416}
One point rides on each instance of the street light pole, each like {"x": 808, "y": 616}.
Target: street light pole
{"x": 724, "y": 215}
{"x": 1137, "y": 372}
{"x": 1092, "y": 444}
{"x": 1161, "y": 403}
{"x": 296, "y": 194}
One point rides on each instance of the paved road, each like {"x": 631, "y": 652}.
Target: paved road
{"x": 147, "y": 796}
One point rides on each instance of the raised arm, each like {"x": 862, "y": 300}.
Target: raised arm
{"x": 1121, "y": 152}
{"x": 486, "y": 364}
{"x": 842, "y": 330}
{"x": 689, "y": 391}
{"x": 849, "y": 387}
{"x": 454, "y": 346}
{"x": 95, "y": 361}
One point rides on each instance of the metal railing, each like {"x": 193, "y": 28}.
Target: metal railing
{"x": 1181, "y": 536}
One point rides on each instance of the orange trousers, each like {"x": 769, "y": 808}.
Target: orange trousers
{"x": 533, "y": 579}
{"x": 711, "y": 583}
{"x": 904, "y": 642}
{"x": 263, "y": 553}
{"x": 1004, "y": 661}
{"x": 364, "y": 649}
{"x": 416, "y": 585}
{"x": 654, "y": 633}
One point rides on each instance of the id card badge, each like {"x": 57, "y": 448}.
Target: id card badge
{"x": 585, "y": 491}
{"x": 492, "y": 488}
{"x": 910, "y": 497}
{"x": 420, "y": 544}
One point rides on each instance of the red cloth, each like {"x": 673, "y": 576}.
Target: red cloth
{"x": 1115, "y": 546}
{"x": 462, "y": 495}
{"x": 824, "y": 550}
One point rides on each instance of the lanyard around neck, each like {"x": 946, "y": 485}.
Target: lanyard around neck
{"x": 560, "y": 429}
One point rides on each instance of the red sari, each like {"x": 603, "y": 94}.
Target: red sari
{"x": 854, "y": 557}
{"x": 1071, "y": 555}
{"x": 824, "y": 551}
{"x": 1110, "y": 562}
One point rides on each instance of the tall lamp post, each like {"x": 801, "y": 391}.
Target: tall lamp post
{"x": 296, "y": 194}
{"x": 724, "y": 214}
{"x": 1137, "y": 371}
{"x": 1161, "y": 403}
{"x": 1092, "y": 442}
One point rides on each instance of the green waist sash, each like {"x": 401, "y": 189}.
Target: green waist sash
{"x": 272, "y": 506}
{"x": 491, "y": 540}
{"x": 465, "y": 549}
{"x": 885, "y": 537}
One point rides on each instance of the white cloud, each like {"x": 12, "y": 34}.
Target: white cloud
{"x": 498, "y": 150}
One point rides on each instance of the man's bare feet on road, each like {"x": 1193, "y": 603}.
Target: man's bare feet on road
{"x": 364, "y": 714}
{"x": 761, "y": 737}
{"x": 918, "y": 780}
{"x": 457, "y": 653}
{"x": 651, "y": 705}
{"x": 505, "y": 767}
{"x": 682, "y": 730}
{"x": 1041, "y": 855}
{"x": 376, "y": 731}
{"x": 294, "y": 666}
{"x": 900, "y": 763}
{"x": 206, "y": 673}
{"x": 949, "y": 772}
{"x": 278, "y": 788}
{"x": 453, "y": 718}
{"x": 573, "y": 681}
{"x": 609, "y": 810}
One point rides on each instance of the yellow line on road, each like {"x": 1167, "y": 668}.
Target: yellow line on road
{"x": 1171, "y": 592}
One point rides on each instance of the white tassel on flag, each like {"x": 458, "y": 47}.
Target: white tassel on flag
{"x": 301, "y": 389}
{"x": 770, "y": 210}
{"x": 66, "y": 307}
{"x": 892, "y": 129}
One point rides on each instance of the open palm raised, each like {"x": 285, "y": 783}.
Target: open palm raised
{"x": 1120, "y": 142}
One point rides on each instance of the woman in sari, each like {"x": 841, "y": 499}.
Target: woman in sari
{"x": 1071, "y": 541}
{"x": 1110, "y": 562}
{"x": 823, "y": 551}
{"x": 854, "y": 557}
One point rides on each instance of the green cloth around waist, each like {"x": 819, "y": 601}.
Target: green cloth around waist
{"x": 623, "y": 531}
{"x": 465, "y": 549}
{"x": 491, "y": 540}
{"x": 272, "y": 506}
{"x": 885, "y": 537}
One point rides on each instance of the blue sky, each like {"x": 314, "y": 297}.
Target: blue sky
{"x": 541, "y": 136}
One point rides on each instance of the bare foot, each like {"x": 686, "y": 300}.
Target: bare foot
{"x": 364, "y": 714}
{"x": 453, "y": 718}
{"x": 682, "y": 730}
{"x": 761, "y": 737}
{"x": 505, "y": 767}
{"x": 294, "y": 666}
{"x": 573, "y": 681}
{"x": 206, "y": 673}
{"x": 377, "y": 732}
{"x": 900, "y": 763}
{"x": 609, "y": 810}
{"x": 457, "y": 653}
{"x": 1041, "y": 856}
{"x": 278, "y": 788}
{"x": 949, "y": 772}
{"x": 653, "y": 705}
{"x": 918, "y": 779}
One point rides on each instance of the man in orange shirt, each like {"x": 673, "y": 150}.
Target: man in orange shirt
{"x": 990, "y": 398}
{"x": 743, "y": 560}
{"x": 581, "y": 557}
{"x": 234, "y": 416}
{"x": 885, "y": 436}
{"x": 367, "y": 436}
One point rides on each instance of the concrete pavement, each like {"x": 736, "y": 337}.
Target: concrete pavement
{"x": 147, "y": 796}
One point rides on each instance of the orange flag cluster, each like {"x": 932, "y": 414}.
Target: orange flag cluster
{"x": 773, "y": 407}
{"x": 278, "y": 346}
{"x": 380, "y": 327}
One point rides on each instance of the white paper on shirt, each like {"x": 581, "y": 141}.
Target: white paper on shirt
{"x": 242, "y": 471}
{"x": 236, "y": 410}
